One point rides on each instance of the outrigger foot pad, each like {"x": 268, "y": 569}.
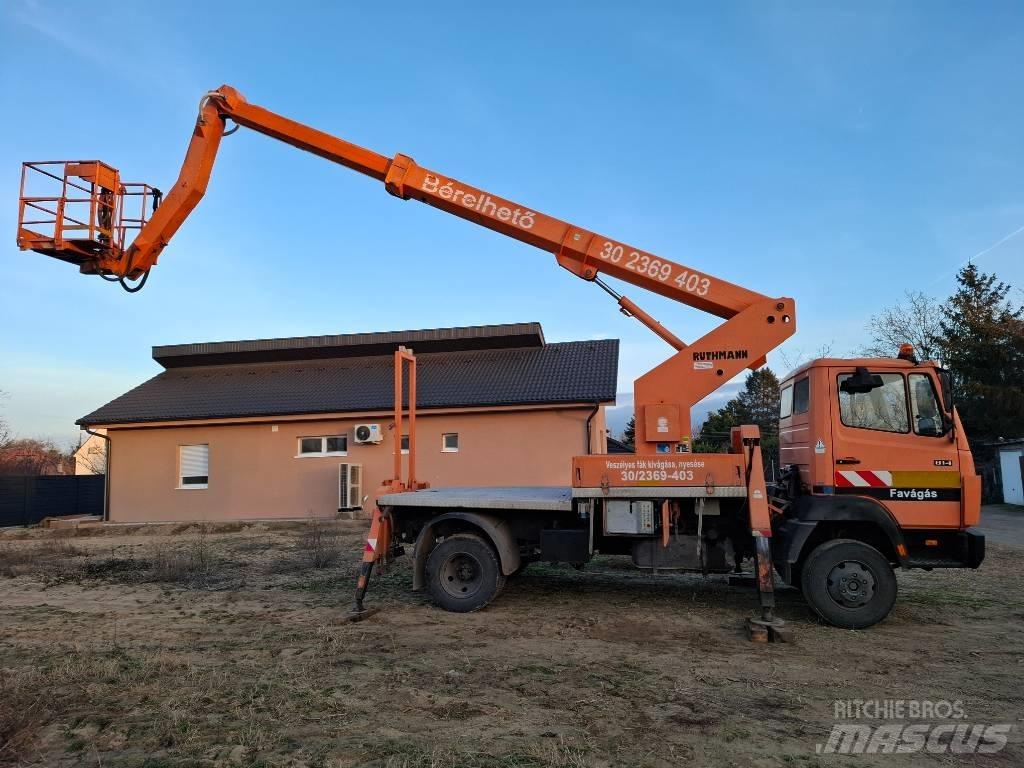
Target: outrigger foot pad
{"x": 357, "y": 614}
{"x": 767, "y": 630}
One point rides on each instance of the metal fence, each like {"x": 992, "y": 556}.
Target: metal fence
{"x": 25, "y": 500}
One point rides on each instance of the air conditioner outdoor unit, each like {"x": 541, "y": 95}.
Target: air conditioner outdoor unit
{"x": 350, "y": 486}
{"x": 368, "y": 433}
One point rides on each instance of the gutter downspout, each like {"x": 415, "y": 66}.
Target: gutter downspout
{"x": 106, "y": 473}
{"x": 590, "y": 418}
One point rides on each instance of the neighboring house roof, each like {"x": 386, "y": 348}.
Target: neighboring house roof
{"x": 617, "y": 446}
{"x": 568, "y": 372}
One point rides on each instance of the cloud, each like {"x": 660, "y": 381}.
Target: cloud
{"x": 33, "y": 14}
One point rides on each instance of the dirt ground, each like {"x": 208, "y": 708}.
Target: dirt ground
{"x": 185, "y": 647}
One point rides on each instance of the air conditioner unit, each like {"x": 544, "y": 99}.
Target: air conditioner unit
{"x": 368, "y": 433}
{"x": 350, "y": 486}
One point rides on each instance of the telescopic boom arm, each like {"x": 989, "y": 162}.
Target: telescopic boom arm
{"x": 755, "y": 325}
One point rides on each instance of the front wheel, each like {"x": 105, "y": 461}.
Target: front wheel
{"x": 849, "y": 584}
{"x": 463, "y": 573}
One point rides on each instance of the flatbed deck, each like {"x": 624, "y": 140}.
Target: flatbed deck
{"x": 542, "y": 498}
{"x": 545, "y": 498}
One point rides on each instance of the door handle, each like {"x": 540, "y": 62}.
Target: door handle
{"x": 848, "y": 460}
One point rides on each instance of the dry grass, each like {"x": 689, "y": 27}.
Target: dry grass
{"x": 146, "y": 663}
{"x": 320, "y": 545}
{"x": 192, "y": 564}
{"x": 51, "y": 555}
{"x": 188, "y": 562}
{"x": 23, "y": 707}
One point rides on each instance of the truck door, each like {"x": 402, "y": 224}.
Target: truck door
{"x": 889, "y": 442}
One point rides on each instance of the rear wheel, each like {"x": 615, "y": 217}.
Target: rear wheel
{"x": 463, "y": 573}
{"x": 849, "y": 584}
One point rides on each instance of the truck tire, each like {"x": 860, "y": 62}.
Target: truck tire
{"x": 848, "y": 583}
{"x": 463, "y": 573}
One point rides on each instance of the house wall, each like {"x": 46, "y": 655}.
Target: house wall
{"x": 91, "y": 457}
{"x": 254, "y": 471}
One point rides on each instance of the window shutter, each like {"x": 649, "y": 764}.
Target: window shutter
{"x": 195, "y": 461}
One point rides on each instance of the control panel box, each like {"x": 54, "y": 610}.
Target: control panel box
{"x": 624, "y": 517}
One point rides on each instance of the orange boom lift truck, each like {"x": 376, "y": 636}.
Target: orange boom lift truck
{"x": 879, "y": 472}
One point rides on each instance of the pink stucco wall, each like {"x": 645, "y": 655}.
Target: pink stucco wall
{"x": 255, "y": 473}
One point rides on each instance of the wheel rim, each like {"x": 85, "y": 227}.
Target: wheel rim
{"x": 462, "y": 575}
{"x": 851, "y": 584}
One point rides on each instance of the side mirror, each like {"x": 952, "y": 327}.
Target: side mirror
{"x": 946, "y": 385}
{"x": 861, "y": 382}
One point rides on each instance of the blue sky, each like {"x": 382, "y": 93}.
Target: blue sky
{"x": 837, "y": 153}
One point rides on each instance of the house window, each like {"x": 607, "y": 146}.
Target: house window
{"x": 450, "y": 442}
{"x": 801, "y": 395}
{"x": 193, "y": 466}
{"x": 405, "y": 444}
{"x": 328, "y": 445}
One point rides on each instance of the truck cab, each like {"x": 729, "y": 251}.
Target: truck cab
{"x": 877, "y": 473}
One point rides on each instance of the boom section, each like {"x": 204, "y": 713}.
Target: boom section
{"x": 582, "y": 252}
{"x": 585, "y": 253}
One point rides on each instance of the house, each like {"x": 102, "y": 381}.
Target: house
{"x": 259, "y": 429}
{"x": 91, "y": 456}
{"x": 618, "y": 446}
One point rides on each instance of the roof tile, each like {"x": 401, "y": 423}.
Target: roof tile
{"x": 576, "y": 371}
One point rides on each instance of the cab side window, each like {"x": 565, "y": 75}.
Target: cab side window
{"x": 884, "y": 408}
{"x": 801, "y": 395}
{"x": 786, "y": 402}
{"x": 924, "y": 406}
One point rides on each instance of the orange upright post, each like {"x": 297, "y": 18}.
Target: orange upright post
{"x": 396, "y": 484}
{"x": 378, "y": 541}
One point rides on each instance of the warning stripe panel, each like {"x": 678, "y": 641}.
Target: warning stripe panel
{"x": 863, "y": 478}
{"x": 883, "y": 478}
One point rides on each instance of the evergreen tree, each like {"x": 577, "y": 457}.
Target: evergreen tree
{"x": 629, "y": 434}
{"x": 982, "y": 344}
{"x": 757, "y": 403}
{"x": 759, "y": 399}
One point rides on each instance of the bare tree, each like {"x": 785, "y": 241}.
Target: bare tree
{"x": 913, "y": 321}
{"x": 793, "y": 357}
{"x": 5, "y": 430}
{"x": 28, "y": 456}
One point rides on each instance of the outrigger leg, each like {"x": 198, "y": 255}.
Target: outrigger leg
{"x": 767, "y": 628}
{"x": 377, "y": 541}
